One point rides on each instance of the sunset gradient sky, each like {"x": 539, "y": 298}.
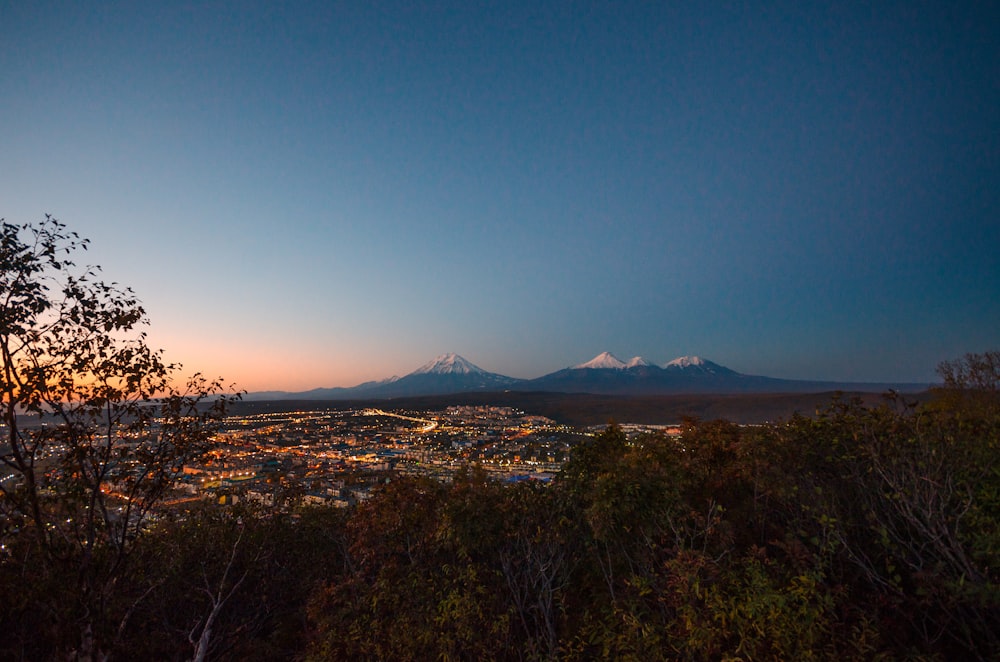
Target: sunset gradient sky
{"x": 317, "y": 194}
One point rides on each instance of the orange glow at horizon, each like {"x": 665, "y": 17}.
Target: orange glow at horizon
{"x": 249, "y": 368}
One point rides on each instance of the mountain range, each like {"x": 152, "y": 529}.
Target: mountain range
{"x": 605, "y": 374}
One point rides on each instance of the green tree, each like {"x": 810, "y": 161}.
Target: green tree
{"x": 970, "y": 386}
{"x": 909, "y": 498}
{"x": 95, "y": 431}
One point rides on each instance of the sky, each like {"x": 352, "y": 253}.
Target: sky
{"x": 316, "y": 194}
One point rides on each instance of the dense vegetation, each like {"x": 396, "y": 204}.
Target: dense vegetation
{"x": 864, "y": 533}
{"x": 867, "y": 532}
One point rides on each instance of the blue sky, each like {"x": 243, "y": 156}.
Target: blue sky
{"x": 318, "y": 194}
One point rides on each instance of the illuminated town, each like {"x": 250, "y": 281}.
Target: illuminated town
{"x": 336, "y": 457}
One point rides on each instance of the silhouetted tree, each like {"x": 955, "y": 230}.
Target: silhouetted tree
{"x": 95, "y": 431}
{"x": 970, "y": 385}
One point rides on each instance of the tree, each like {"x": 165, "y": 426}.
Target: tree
{"x": 909, "y": 498}
{"x": 971, "y": 385}
{"x": 95, "y": 427}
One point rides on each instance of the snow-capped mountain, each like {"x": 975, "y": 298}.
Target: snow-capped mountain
{"x": 449, "y": 364}
{"x": 603, "y": 361}
{"x": 696, "y": 364}
{"x": 606, "y": 374}
{"x": 603, "y": 374}
{"x": 685, "y": 362}
{"x": 608, "y": 361}
{"x": 448, "y": 373}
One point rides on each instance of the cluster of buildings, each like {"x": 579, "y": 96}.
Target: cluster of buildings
{"x": 336, "y": 457}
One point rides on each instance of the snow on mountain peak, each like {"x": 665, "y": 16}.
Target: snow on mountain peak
{"x": 603, "y": 360}
{"x": 636, "y": 362}
{"x": 448, "y": 364}
{"x": 686, "y": 362}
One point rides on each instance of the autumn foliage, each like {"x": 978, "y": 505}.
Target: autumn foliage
{"x": 863, "y": 532}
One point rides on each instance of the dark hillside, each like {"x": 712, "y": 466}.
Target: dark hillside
{"x": 589, "y": 409}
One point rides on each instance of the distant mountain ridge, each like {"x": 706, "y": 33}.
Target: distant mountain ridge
{"x": 603, "y": 361}
{"x": 605, "y": 374}
{"x": 447, "y": 373}
{"x": 449, "y": 364}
